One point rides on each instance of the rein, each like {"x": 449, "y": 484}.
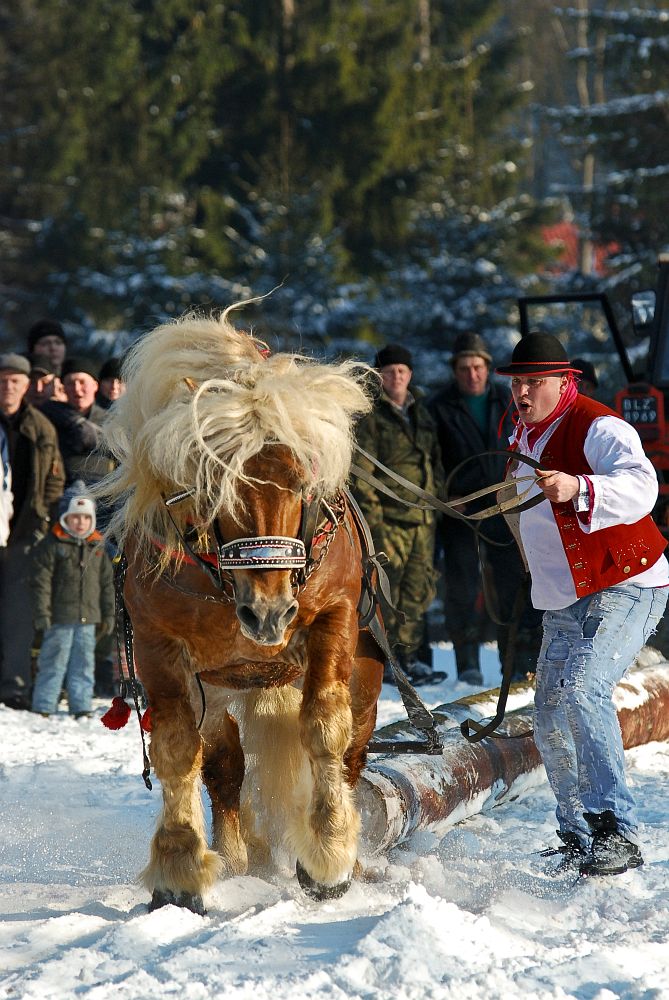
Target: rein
{"x": 371, "y": 596}
{"x": 281, "y": 552}
{"x": 516, "y": 504}
{"x": 472, "y": 730}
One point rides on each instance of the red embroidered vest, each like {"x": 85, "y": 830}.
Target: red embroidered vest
{"x": 603, "y": 558}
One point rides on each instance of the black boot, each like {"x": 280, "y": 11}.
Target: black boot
{"x": 571, "y": 852}
{"x": 467, "y": 662}
{"x": 612, "y": 854}
{"x": 420, "y": 673}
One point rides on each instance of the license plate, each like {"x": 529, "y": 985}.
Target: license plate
{"x": 639, "y": 409}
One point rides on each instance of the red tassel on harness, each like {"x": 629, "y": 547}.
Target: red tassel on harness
{"x": 117, "y": 716}
{"x": 146, "y": 723}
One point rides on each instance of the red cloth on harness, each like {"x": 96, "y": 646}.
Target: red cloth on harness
{"x": 117, "y": 716}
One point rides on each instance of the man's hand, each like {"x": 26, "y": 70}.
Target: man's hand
{"x": 102, "y": 629}
{"x": 557, "y": 486}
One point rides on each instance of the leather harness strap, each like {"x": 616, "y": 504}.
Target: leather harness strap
{"x": 371, "y": 597}
{"x": 375, "y": 593}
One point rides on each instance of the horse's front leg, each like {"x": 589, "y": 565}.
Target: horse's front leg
{"x": 223, "y": 773}
{"x": 324, "y": 832}
{"x": 181, "y": 866}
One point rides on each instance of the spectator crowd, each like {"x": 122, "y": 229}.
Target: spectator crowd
{"x": 56, "y": 606}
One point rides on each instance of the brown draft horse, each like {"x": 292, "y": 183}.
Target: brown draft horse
{"x": 246, "y": 442}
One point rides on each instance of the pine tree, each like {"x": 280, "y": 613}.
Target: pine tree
{"x": 617, "y": 131}
{"x": 160, "y": 157}
{"x": 110, "y": 110}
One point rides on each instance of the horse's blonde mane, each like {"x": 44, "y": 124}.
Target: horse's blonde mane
{"x": 201, "y": 400}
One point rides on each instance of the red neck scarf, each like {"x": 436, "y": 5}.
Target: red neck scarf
{"x": 535, "y": 430}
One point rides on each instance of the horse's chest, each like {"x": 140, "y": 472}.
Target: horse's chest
{"x": 243, "y": 670}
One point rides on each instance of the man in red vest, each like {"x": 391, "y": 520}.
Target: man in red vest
{"x": 599, "y": 574}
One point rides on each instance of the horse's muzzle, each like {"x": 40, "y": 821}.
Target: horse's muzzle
{"x": 266, "y": 624}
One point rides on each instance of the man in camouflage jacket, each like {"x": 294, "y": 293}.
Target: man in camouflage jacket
{"x": 401, "y": 434}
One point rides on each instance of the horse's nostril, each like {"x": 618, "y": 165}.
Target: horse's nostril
{"x": 288, "y": 615}
{"x": 248, "y": 618}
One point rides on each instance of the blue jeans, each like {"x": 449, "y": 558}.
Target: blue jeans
{"x": 67, "y": 653}
{"x": 587, "y": 647}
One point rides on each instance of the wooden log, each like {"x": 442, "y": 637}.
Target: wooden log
{"x": 399, "y": 795}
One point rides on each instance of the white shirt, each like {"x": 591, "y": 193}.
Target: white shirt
{"x": 625, "y": 488}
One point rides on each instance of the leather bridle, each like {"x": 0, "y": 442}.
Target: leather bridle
{"x": 264, "y": 552}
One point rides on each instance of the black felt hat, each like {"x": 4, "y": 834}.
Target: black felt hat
{"x": 393, "y": 354}
{"x": 538, "y": 354}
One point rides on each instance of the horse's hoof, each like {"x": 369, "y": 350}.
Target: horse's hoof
{"x": 319, "y": 890}
{"x": 187, "y": 900}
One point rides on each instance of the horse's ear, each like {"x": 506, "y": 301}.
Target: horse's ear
{"x": 191, "y": 383}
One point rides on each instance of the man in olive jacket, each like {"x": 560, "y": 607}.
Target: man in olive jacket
{"x": 37, "y": 484}
{"x": 400, "y": 433}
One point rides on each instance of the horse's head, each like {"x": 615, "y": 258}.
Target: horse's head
{"x": 208, "y": 417}
{"x": 271, "y": 498}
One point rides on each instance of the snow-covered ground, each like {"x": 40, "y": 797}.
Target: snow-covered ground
{"x": 464, "y": 915}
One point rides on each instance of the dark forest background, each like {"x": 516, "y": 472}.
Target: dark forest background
{"x": 400, "y": 169}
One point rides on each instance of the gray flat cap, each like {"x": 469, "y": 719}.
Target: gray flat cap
{"x": 14, "y": 363}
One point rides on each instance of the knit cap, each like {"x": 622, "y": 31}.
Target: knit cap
{"x": 110, "y": 369}
{"x": 78, "y": 502}
{"x": 44, "y": 328}
{"x": 72, "y": 365}
{"x": 393, "y": 354}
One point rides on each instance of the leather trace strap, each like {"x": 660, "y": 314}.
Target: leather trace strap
{"x": 371, "y": 597}
{"x": 130, "y": 685}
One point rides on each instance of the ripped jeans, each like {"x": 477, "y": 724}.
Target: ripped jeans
{"x": 586, "y": 649}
